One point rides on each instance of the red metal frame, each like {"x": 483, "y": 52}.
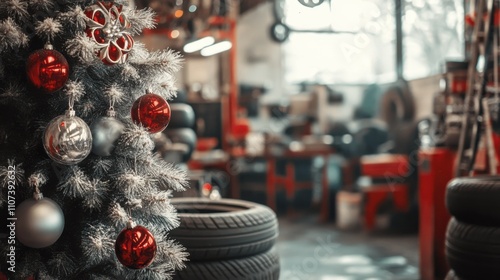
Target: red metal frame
{"x": 393, "y": 168}
{"x": 375, "y": 195}
{"x": 233, "y": 128}
{"x": 436, "y": 170}
{"x": 288, "y": 180}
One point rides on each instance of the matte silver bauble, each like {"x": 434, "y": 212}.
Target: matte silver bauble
{"x": 67, "y": 139}
{"x": 40, "y": 222}
{"x": 105, "y": 132}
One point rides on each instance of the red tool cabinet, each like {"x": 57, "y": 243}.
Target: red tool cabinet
{"x": 436, "y": 167}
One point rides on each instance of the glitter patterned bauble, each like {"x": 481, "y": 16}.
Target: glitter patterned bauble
{"x": 109, "y": 29}
{"x": 47, "y": 69}
{"x": 40, "y": 222}
{"x": 135, "y": 247}
{"x": 151, "y": 111}
{"x": 67, "y": 139}
{"x": 105, "y": 132}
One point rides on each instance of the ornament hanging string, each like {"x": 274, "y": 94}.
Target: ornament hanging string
{"x": 135, "y": 164}
{"x": 37, "y": 195}
{"x": 130, "y": 224}
{"x": 71, "y": 102}
{"x": 111, "y": 110}
{"x": 111, "y": 104}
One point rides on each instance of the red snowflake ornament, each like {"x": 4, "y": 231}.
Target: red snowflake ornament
{"x": 108, "y": 27}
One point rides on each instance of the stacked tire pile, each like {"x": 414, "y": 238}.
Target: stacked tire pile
{"x": 473, "y": 234}
{"x": 227, "y": 239}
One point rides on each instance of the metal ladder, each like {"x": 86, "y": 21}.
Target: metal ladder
{"x": 483, "y": 57}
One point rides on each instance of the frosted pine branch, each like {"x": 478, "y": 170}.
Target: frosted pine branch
{"x": 6, "y": 174}
{"x": 118, "y": 215}
{"x": 14, "y": 90}
{"x": 14, "y": 94}
{"x": 167, "y": 61}
{"x": 173, "y": 253}
{"x": 101, "y": 167}
{"x": 48, "y": 29}
{"x": 32, "y": 262}
{"x": 81, "y": 47}
{"x": 45, "y": 276}
{"x": 157, "y": 224}
{"x": 134, "y": 204}
{"x": 138, "y": 53}
{"x": 157, "y": 70}
{"x": 2, "y": 69}
{"x": 115, "y": 93}
{"x": 135, "y": 142}
{"x": 100, "y": 277}
{"x": 94, "y": 197}
{"x": 130, "y": 73}
{"x": 11, "y": 36}
{"x": 86, "y": 108}
{"x": 122, "y": 2}
{"x": 75, "y": 183}
{"x": 158, "y": 203}
{"x": 131, "y": 184}
{"x": 61, "y": 264}
{"x": 44, "y": 5}
{"x": 16, "y": 8}
{"x": 75, "y": 16}
{"x": 169, "y": 177}
{"x": 75, "y": 90}
{"x": 146, "y": 273}
{"x": 141, "y": 19}
{"x": 99, "y": 244}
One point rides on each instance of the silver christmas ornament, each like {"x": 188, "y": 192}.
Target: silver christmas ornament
{"x": 105, "y": 132}
{"x": 40, "y": 222}
{"x": 67, "y": 139}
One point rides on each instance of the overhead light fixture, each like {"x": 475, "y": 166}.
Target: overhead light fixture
{"x": 198, "y": 44}
{"x": 216, "y": 48}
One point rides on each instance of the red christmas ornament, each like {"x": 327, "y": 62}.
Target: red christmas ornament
{"x": 47, "y": 69}
{"x": 135, "y": 247}
{"x": 152, "y": 112}
{"x": 109, "y": 29}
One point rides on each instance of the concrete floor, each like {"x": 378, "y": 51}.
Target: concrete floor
{"x": 310, "y": 250}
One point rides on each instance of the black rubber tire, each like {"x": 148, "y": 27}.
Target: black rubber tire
{"x": 264, "y": 266}
{"x": 279, "y": 37}
{"x": 185, "y": 136}
{"x": 475, "y": 200}
{"x": 452, "y": 138}
{"x": 396, "y": 104}
{"x": 182, "y": 116}
{"x": 224, "y": 229}
{"x": 473, "y": 252}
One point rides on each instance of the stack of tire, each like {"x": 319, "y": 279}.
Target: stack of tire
{"x": 473, "y": 234}
{"x": 227, "y": 239}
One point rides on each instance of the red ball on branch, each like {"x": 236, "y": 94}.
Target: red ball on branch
{"x": 151, "y": 111}
{"x": 135, "y": 247}
{"x": 47, "y": 69}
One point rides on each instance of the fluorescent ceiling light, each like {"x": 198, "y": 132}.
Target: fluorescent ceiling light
{"x": 198, "y": 44}
{"x": 216, "y": 48}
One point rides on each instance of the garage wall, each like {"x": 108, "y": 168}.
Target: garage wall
{"x": 259, "y": 58}
{"x": 259, "y": 63}
{"x": 423, "y": 91}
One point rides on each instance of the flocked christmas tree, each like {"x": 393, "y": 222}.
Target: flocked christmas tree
{"x": 79, "y": 102}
